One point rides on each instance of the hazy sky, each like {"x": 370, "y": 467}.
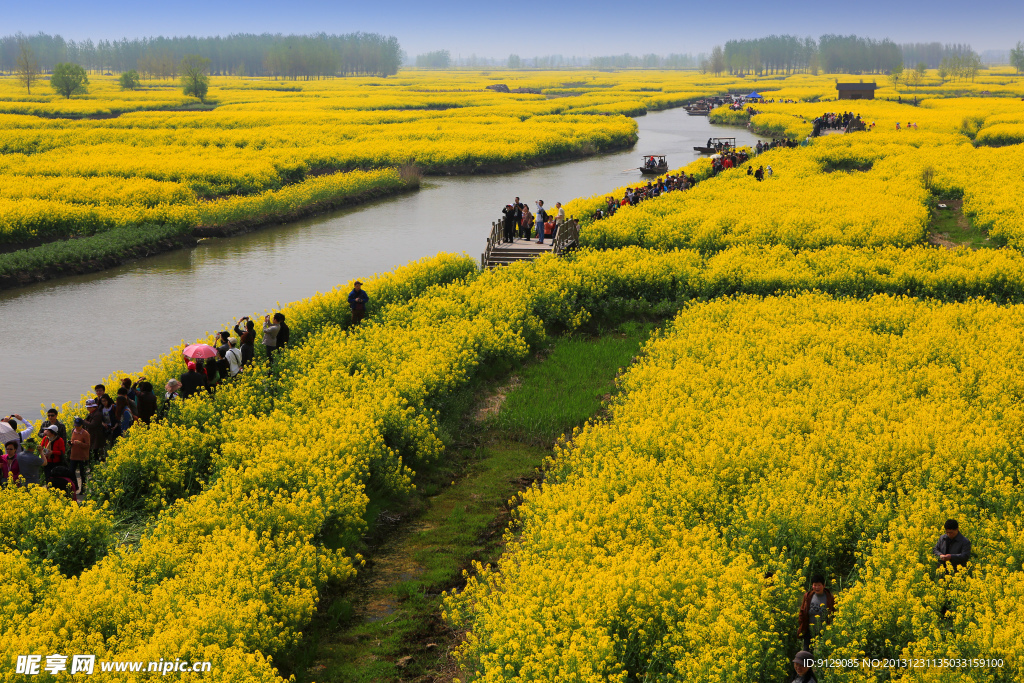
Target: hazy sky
{"x": 532, "y": 27}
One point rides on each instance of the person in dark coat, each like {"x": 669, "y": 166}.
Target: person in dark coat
{"x": 146, "y": 400}
{"x": 246, "y": 339}
{"x": 192, "y": 381}
{"x": 357, "y": 300}
{"x": 815, "y": 610}
{"x": 952, "y": 546}
{"x": 509, "y": 224}
{"x": 94, "y": 425}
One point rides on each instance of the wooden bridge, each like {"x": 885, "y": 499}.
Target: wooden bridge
{"x": 500, "y": 253}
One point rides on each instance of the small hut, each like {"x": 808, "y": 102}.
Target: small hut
{"x": 856, "y": 91}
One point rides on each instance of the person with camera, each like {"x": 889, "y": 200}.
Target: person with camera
{"x": 271, "y": 328}
{"x": 246, "y": 339}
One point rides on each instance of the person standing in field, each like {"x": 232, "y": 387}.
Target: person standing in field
{"x": 234, "y": 357}
{"x": 802, "y": 663}
{"x": 270, "y": 330}
{"x": 14, "y": 421}
{"x": 247, "y": 339}
{"x": 54, "y": 449}
{"x": 81, "y": 443}
{"x": 815, "y": 610}
{"x": 29, "y": 463}
{"x": 94, "y": 425}
{"x": 146, "y": 400}
{"x": 51, "y": 419}
{"x": 952, "y": 546}
{"x": 357, "y": 300}
{"x": 285, "y": 334}
{"x": 10, "y": 469}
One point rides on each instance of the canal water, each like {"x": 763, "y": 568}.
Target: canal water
{"x": 63, "y": 336}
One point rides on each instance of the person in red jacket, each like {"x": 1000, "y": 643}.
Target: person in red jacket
{"x": 815, "y": 610}
{"x": 53, "y": 449}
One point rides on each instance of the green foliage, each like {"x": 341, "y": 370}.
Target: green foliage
{"x": 195, "y": 76}
{"x": 129, "y": 80}
{"x": 1017, "y": 57}
{"x": 972, "y": 125}
{"x": 69, "y": 79}
{"x": 113, "y": 243}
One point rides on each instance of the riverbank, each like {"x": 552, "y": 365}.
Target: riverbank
{"x": 231, "y": 217}
{"x": 238, "y": 215}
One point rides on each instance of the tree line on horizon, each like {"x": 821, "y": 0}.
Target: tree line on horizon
{"x": 831, "y": 53}
{"x": 284, "y": 56}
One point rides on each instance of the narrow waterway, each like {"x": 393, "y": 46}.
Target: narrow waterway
{"x": 62, "y": 336}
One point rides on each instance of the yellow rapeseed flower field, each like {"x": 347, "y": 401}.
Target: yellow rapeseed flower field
{"x": 829, "y": 390}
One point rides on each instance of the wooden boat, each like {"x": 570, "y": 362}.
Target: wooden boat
{"x": 660, "y": 164}
{"x": 717, "y": 145}
{"x": 698, "y": 112}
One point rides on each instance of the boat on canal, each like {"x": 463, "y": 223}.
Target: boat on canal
{"x": 654, "y": 164}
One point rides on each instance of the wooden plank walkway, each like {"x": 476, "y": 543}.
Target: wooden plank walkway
{"x": 499, "y": 253}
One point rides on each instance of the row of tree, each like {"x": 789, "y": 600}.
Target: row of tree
{"x": 314, "y": 56}
{"x": 841, "y": 54}
{"x": 788, "y": 54}
{"x": 442, "y": 59}
{"x": 932, "y": 54}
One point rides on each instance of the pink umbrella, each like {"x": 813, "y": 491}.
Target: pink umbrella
{"x": 199, "y": 351}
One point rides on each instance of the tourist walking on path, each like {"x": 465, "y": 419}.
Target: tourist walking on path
{"x": 815, "y": 610}
{"x": 952, "y": 546}
{"x": 357, "y": 300}
{"x": 81, "y": 443}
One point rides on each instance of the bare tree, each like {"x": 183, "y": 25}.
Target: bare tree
{"x": 28, "y": 67}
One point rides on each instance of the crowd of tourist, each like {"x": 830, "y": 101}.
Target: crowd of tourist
{"x": 50, "y": 456}
{"x": 836, "y": 121}
{"x": 518, "y": 222}
{"x": 732, "y": 158}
